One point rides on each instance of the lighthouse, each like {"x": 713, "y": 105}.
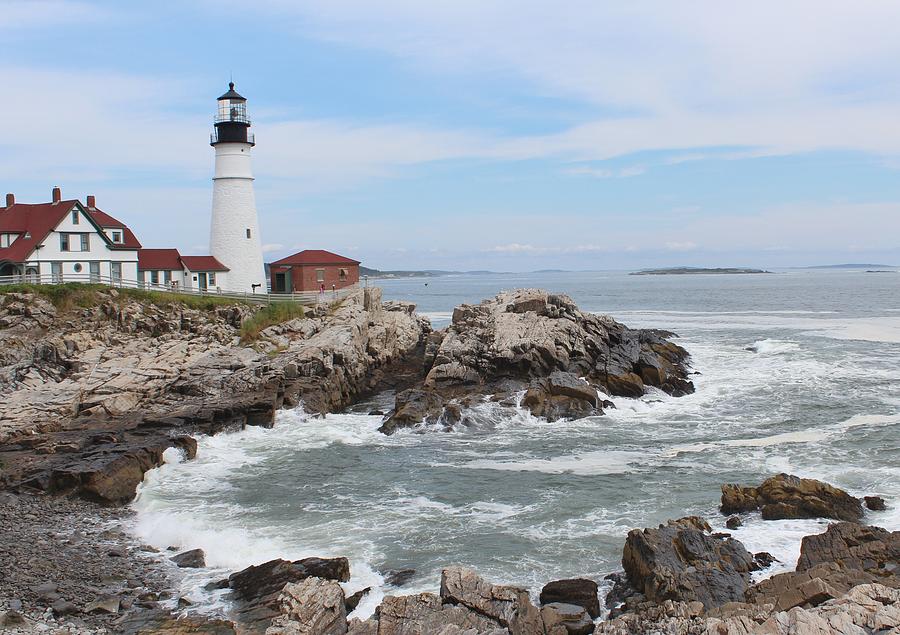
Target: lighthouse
{"x": 234, "y": 232}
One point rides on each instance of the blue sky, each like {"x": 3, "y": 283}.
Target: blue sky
{"x": 475, "y": 134}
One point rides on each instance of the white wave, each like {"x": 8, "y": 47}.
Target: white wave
{"x": 774, "y": 347}
{"x": 587, "y": 464}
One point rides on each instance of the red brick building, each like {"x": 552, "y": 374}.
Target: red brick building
{"x": 313, "y": 270}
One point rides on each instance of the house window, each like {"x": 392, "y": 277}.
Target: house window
{"x": 248, "y": 232}
{"x": 141, "y": 277}
{"x": 7, "y": 239}
{"x": 77, "y": 267}
{"x": 56, "y": 272}
{"x": 85, "y": 242}
{"x": 211, "y": 277}
{"x": 95, "y": 271}
{"x": 342, "y": 274}
{"x": 115, "y": 271}
{"x": 74, "y": 216}
{"x": 167, "y": 277}
{"x": 154, "y": 277}
{"x": 117, "y": 237}
{"x": 64, "y": 242}
{"x": 320, "y": 275}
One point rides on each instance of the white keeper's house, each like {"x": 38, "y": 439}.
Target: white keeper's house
{"x": 70, "y": 241}
{"x": 65, "y": 240}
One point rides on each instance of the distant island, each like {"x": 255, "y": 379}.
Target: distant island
{"x": 852, "y": 265}
{"x": 680, "y": 271}
{"x": 427, "y": 273}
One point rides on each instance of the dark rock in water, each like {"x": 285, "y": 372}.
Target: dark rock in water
{"x": 544, "y": 344}
{"x": 257, "y": 588}
{"x": 680, "y": 561}
{"x": 620, "y": 591}
{"x": 353, "y": 601}
{"x": 376, "y": 413}
{"x": 578, "y": 591}
{"x": 875, "y": 503}
{"x": 764, "y": 559}
{"x": 193, "y": 559}
{"x": 571, "y": 618}
{"x": 216, "y": 585}
{"x": 398, "y": 577}
{"x": 733, "y": 522}
{"x": 183, "y": 603}
{"x": 787, "y": 496}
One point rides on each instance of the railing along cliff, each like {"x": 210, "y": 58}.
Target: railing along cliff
{"x": 306, "y": 298}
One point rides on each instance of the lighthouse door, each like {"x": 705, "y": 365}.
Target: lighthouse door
{"x": 201, "y": 281}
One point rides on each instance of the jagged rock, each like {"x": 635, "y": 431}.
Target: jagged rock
{"x": 542, "y": 343}
{"x": 160, "y": 622}
{"x": 108, "y": 605}
{"x": 310, "y": 607}
{"x": 868, "y": 608}
{"x": 509, "y": 607}
{"x": 577, "y": 591}
{"x": 787, "y": 496}
{"x": 352, "y": 601}
{"x": 566, "y": 619}
{"x": 875, "y": 503}
{"x": 398, "y": 577}
{"x": 733, "y": 522}
{"x": 853, "y": 546}
{"x": 426, "y": 613}
{"x": 193, "y": 559}
{"x": 680, "y": 561}
{"x": 257, "y": 588}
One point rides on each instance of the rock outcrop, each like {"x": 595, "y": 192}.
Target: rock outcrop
{"x": 541, "y": 344}
{"x": 681, "y": 561}
{"x": 787, "y": 496}
{"x": 311, "y": 607}
{"x": 578, "y": 591}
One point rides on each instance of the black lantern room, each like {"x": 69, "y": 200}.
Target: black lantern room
{"x": 232, "y": 123}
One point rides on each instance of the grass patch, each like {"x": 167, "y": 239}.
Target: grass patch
{"x": 267, "y": 316}
{"x": 73, "y": 295}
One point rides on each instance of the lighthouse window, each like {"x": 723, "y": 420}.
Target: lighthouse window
{"x": 248, "y": 232}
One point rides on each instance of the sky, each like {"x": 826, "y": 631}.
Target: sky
{"x": 510, "y": 135}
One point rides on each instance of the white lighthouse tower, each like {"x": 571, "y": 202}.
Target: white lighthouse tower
{"x": 234, "y": 233}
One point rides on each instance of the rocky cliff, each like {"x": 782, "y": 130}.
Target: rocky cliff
{"x": 92, "y": 397}
{"x": 540, "y": 344}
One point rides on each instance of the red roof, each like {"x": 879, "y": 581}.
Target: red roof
{"x": 315, "y": 257}
{"x": 202, "y": 263}
{"x": 38, "y": 220}
{"x": 129, "y": 240}
{"x": 159, "y": 260}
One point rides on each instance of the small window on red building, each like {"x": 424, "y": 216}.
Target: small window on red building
{"x": 342, "y": 274}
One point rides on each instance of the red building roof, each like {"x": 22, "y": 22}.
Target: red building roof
{"x": 159, "y": 260}
{"x": 34, "y": 222}
{"x": 202, "y": 263}
{"x": 315, "y": 257}
{"x": 129, "y": 240}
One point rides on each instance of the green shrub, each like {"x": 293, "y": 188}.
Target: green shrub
{"x": 72, "y": 295}
{"x": 267, "y": 316}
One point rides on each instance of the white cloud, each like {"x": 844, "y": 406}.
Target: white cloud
{"x": 24, "y": 14}
{"x": 606, "y": 173}
{"x": 270, "y": 247}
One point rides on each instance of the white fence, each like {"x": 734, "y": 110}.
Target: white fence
{"x": 307, "y": 298}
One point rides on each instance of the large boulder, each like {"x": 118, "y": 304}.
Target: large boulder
{"x": 566, "y": 619}
{"x": 682, "y": 561}
{"x": 853, "y": 546}
{"x": 426, "y": 613}
{"x": 578, "y": 591}
{"x": 258, "y": 588}
{"x": 510, "y": 607}
{"x": 544, "y": 344}
{"x": 787, "y": 496}
{"x": 310, "y": 607}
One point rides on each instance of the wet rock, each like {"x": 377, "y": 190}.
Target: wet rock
{"x": 508, "y": 606}
{"x": 193, "y": 559}
{"x": 680, "y": 561}
{"x": 853, "y": 546}
{"x": 353, "y": 601}
{"x": 875, "y": 503}
{"x": 579, "y": 591}
{"x": 398, "y": 577}
{"x": 63, "y": 607}
{"x": 159, "y": 622}
{"x": 310, "y": 607}
{"x": 545, "y": 344}
{"x": 764, "y": 559}
{"x": 109, "y": 605}
{"x": 426, "y": 613}
{"x": 566, "y": 619}
{"x": 257, "y": 588}
{"x": 787, "y": 496}
{"x": 733, "y": 522}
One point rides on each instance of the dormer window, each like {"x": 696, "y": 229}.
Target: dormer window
{"x": 75, "y": 216}
{"x": 117, "y": 237}
{"x": 7, "y": 239}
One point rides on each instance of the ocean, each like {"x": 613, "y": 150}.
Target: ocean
{"x": 798, "y": 372}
